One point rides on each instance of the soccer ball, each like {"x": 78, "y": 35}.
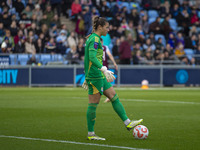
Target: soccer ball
{"x": 145, "y": 82}
{"x": 140, "y": 132}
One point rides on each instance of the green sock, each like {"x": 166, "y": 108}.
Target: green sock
{"x": 118, "y": 107}
{"x": 91, "y": 116}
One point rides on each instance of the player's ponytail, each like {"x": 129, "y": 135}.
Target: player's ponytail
{"x": 97, "y": 21}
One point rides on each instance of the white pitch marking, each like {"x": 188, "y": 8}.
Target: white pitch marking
{"x": 70, "y": 142}
{"x": 144, "y": 100}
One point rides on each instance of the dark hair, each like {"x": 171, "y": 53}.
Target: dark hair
{"x": 97, "y": 21}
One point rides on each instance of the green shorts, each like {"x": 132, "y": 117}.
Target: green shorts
{"x": 97, "y": 86}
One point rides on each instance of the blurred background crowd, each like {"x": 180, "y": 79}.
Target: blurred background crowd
{"x": 141, "y": 31}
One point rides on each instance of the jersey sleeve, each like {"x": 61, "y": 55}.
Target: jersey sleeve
{"x": 93, "y": 47}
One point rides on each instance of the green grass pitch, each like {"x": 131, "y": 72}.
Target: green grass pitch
{"x": 171, "y": 115}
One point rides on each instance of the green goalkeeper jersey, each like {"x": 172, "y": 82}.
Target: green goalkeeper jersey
{"x": 93, "y": 57}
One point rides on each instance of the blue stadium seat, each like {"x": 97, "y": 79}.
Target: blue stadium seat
{"x": 173, "y": 24}
{"x": 22, "y": 59}
{"x": 189, "y": 53}
{"x": 57, "y": 57}
{"x": 45, "y": 58}
{"x": 152, "y": 14}
{"x": 151, "y": 20}
{"x": 157, "y": 36}
{"x": 13, "y": 59}
{"x": 198, "y": 14}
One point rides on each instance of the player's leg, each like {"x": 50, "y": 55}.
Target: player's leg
{"x": 118, "y": 107}
{"x": 94, "y": 98}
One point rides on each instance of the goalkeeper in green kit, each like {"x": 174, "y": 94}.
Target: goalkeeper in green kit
{"x": 98, "y": 79}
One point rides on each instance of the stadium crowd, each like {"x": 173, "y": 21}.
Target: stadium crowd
{"x": 141, "y": 31}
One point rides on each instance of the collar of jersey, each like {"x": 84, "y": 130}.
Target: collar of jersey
{"x": 96, "y": 34}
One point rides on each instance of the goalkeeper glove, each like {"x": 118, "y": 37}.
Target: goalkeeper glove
{"x": 108, "y": 74}
{"x": 85, "y": 85}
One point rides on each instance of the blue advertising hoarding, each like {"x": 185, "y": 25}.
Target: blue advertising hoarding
{"x": 135, "y": 76}
{"x": 13, "y": 77}
{"x": 181, "y": 76}
{"x": 52, "y": 75}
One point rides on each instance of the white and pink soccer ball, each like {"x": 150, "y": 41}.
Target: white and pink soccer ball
{"x": 145, "y": 82}
{"x": 140, "y": 132}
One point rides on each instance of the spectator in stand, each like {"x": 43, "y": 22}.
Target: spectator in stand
{"x": 193, "y": 31}
{"x": 198, "y": 57}
{"x": 28, "y": 12}
{"x": 180, "y": 38}
{"x": 148, "y": 44}
{"x": 194, "y": 42}
{"x": 32, "y": 61}
{"x": 134, "y": 16}
{"x": 158, "y": 55}
{"x": 51, "y": 46}
{"x": 10, "y": 39}
{"x": 165, "y": 26}
{"x": 155, "y": 26}
{"x": 38, "y": 12}
{"x": 6, "y": 20}
{"x": 166, "y": 57}
{"x": 72, "y": 55}
{"x": 172, "y": 40}
{"x": 30, "y": 4}
{"x": 124, "y": 51}
{"x": 19, "y": 6}
{"x": 124, "y": 13}
{"x": 61, "y": 42}
{"x": 54, "y": 32}
{"x": 87, "y": 18}
{"x": 137, "y": 57}
{"x": 170, "y": 50}
{"x": 56, "y": 4}
{"x": 45, "y": 30}
{"x": 120, "y": 32}
{"x": 124, "y": 24}
{"x": 115, "y": 49}
{"x": 131, "y": 30}
{"x": 72, "y": 39}
{"x": 104, "y": 9}
{"x": 164, "y": 9}
{"x": 18, "y": 36}
{"x": 6, "y": 46}
{"x": 191, "y": 42}
{"x": 194, "y": 18}
{"x": 2, "y": 32}
{"x": 76, "y": 9}
{"x": 56, "y": 20}
{"x": 116, "y": 21}
{"x": 81, "y": 49}
{"x": 95, "y": 12}
{"x": 159, "y": 45}
{"x": 48, "y": 16}
{"x": 30, "y": 47}
{"x": 140, "y": 32}
{"x": 144, "y": 23}
{"x": 80, "y": 27}
{"x": 40, "y": 45}
{"x": 86, "y": 3}
{"x": 180, "y": 53}
{"x": 183, "y": 18}
{"x": 20, "y": 45}
{"x": 13, "y": 28}
{"x": 175, "y": 11}
{"x": 149, "y": 58}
